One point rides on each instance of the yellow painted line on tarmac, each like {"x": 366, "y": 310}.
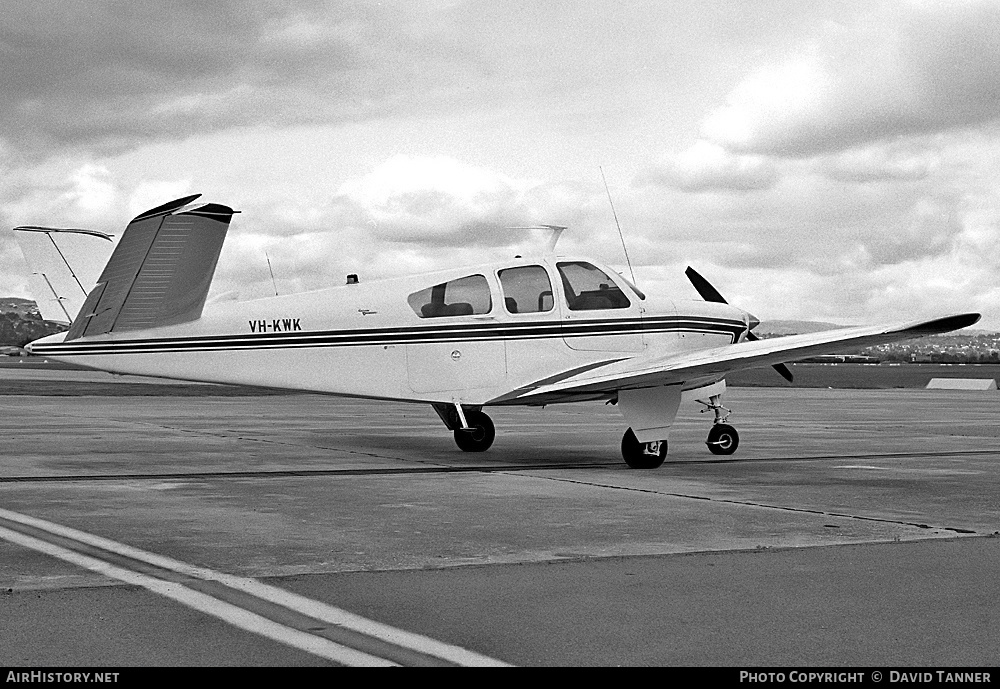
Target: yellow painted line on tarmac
{"x": 272, "y": 594}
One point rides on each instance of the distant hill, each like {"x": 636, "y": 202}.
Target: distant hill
{"x": 793, "y": 327}
{"x": 20, "y": 322}
{"x": 776, "y": 327}
{"x": 17, "y": 305}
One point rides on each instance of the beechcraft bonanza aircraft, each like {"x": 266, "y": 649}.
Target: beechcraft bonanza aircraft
{"x": 532, "y": 330}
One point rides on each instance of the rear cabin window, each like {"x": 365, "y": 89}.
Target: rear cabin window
{"x": 463, "y": 297}
{"x": 589, "y": 288}
{"x": 526, "y": 289}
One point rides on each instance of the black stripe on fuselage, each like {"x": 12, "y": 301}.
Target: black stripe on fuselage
{"x": 475, "y": 332}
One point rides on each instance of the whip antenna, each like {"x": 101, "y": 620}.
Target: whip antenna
{"x": 614, "y": 213}
{"x": 273, "y": 283}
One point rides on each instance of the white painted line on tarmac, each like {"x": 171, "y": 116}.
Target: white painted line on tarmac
{"x": 292, "y": 601}
{"x": 231, "y": 614}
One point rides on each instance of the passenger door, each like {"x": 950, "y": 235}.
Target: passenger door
{"x": 454, "y": 352}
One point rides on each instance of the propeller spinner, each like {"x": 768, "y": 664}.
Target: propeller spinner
{"x": 709, "y": 293}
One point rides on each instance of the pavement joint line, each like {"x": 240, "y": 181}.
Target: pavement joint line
{"x": 272, "y": 594}
{"x": 864, "y": 455}
{"x": 749, "y": 503}
{"x": 216, "y": 434}
{"x": 308, "y": 473}
{"x": 432, "y": 468}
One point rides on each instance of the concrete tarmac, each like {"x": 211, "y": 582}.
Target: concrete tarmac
{"x": 851, "y": 528}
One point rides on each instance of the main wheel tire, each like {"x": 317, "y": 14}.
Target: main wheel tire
{"x": 642, "y": 455}
{"x": 481, "y": 435}
{"x": 723, "y": 439}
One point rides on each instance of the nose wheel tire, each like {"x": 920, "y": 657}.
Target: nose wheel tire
{"x": 642, "y": 455}
{"x": 480, "y": 434}
{"x": 723, "y": 439}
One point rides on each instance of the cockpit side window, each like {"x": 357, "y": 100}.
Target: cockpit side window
{"x": 463, "y": 297}
{"x": 589, "y": 288}
{"x": 526, "y": 289}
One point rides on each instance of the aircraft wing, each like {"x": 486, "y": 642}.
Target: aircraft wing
{"x": 672, "y": 369}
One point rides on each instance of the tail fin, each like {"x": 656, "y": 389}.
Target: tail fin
{"x": 160, "y": 272}
{"x": 64, "y": 264}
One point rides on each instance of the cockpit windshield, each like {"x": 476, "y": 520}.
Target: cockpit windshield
{"x": 588, "y": 288}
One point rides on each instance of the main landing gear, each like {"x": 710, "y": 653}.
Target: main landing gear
{"x": 474, "y": 430}
{"x": 643, "y": 455}
{"x": 479, "y": 433}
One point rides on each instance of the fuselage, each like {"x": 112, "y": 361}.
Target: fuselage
{"x": 465, "y": 335}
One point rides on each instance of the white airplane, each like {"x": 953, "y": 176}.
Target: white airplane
{"x": 532, "y": 330}
{"x": 65, "y": 265}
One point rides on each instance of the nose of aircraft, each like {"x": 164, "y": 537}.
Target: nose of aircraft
{"x": 751, "y": 320}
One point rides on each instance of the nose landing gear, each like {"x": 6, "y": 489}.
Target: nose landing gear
{"x": 723, "y": 438}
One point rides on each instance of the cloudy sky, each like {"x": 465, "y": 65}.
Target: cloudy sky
{"x": 834, "y": 161}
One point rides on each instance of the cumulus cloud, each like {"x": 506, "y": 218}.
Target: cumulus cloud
{"x": 149, "y": 194}
{"x": 439, "y": 200}
{"x": 67, "y": 192}
{"x": 881, "y": 162}
{"x": 709, "y": 167}
{"x": 408, "y": 214}
{"x": 918, "y": 67}
{"x": 91, "y": 195}
{"x": 909, "y": 233}
{"x": 409, "y": 198}
{"x": 809, "y": 220}
{"x": 868, "y": 150}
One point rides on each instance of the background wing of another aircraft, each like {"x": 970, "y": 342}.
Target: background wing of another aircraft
{"x": 641, "y": 372}
{"x": 65, "y": 265}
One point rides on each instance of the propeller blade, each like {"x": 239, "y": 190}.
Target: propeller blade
{"x": 704, "y": 287}
{"x": 709, "y": 293}
{"x": 782, "y": 370}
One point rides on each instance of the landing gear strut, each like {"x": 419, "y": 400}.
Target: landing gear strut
{"x": 723, "y": 438}
{"x": 643, "y": 455}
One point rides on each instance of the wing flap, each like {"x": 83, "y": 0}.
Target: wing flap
{"x": 641, "y": 372}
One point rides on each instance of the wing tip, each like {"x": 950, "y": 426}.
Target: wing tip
{"x": 214, "y": 211}
{"x": 166, "y": 208}
{"x": 944, "y": 325}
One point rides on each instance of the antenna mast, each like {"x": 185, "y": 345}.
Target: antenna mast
{"x": 620, "y": 235}
{"x": 273, "y": 283}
